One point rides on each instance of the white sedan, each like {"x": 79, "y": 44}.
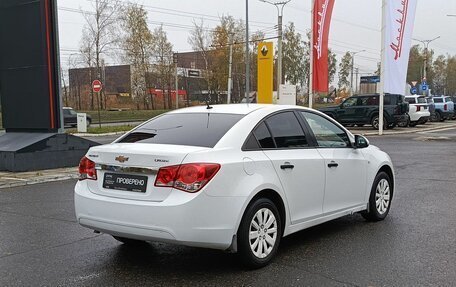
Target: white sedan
{"x": 231, "y": 177}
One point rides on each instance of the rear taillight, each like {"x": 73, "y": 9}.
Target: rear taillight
{"x": 190, "y": 177}
{"x": 418, "y": 108}
{"x": 87, "y": 169}
{"x": 445, "y": 107}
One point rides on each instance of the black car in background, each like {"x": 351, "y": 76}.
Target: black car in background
{"x": 363, "y": 109}
{"x": 70, "y": 117}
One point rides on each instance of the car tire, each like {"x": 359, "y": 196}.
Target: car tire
{"x": 438, "y": 117}
{"x": 375, "y": 122}
{"x": 89, "y": 122}
{"x": 258, "y": 230}
{"x": 129, "y": 241}
{"x": 380, "y": 198}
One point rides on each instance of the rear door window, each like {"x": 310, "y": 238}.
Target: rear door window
{"x": 192, "y": 129}
{"x": 263, "y": 136}
{"x": 287, "y": 131}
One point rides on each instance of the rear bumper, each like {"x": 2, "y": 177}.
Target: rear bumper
{"x": 420, "y": 116}
{"x": 187, "y": 219}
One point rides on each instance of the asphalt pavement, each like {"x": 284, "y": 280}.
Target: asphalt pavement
{"x": 42, "y": 245}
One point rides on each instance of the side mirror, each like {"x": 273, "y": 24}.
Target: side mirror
{"x": 361, "y": 142}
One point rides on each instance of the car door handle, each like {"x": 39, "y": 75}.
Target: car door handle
{"x": 333, "y": 164}
{"x": 287, "y": 166}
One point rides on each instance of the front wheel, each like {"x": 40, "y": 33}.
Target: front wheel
{"x": 380, "y": 198}
{"x": 259, "y": 233}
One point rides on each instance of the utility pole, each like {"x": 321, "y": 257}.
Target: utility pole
{"x": 357, "y": 76}
{"x": 279, "y": 6}
{"x": 230, "y": 81}
{"x": 247, "y": 51}
{"x": 311, "y": 56}
{"x": 176, "y": 60}
{"x": 426, "y": 46}
{"x": 382, "y": 70}
{"x": 352, "y": 68}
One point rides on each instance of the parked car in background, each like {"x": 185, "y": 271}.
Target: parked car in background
{"x": 431, "y": 107}
{"x": 418, "y": 110}
{"x": 231, "y": 177}
{"x": 444, "y": 108}
{"x": 363, "y": 109}
{"x": 453, "y": 99}
{"x": 70, "y": 117}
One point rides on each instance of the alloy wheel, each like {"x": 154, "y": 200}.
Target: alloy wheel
{"x": 382, "y": 196}
{"x": 263, "y": 233}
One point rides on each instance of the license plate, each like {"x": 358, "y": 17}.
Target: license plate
{"x": 126, "y": 182}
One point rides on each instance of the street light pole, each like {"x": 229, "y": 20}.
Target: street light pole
{"x": 279, "y": 6}
{"x": 352, "y": 68}
{"x": 230, "y": 81}
{"x": 247, "y": 51}
{"x": 426, "y": 46}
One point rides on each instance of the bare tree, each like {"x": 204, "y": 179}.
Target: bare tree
{"x": 163, "y": 54}
{"x": 100, "y": 34}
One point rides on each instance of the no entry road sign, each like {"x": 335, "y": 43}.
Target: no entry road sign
{"x": 97, "y": 86}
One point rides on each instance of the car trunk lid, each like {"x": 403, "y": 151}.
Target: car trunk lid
{"x": 128, "y": 170}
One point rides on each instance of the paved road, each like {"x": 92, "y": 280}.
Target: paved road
{"x": 41, "y": 244}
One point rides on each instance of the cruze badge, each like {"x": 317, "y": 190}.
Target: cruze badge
{"x": 121, "y": 159}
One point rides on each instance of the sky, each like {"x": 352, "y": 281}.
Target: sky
{"x": 355, "y": 24}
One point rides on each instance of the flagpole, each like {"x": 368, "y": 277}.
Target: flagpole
{"x": 382, "y": 71}
{"x": 311, "y": 55}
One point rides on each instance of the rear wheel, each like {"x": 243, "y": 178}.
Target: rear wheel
{"x": 380, "y": 198}
{"x": 259, "y": 233}
{"x": 376, "y": 121}
{"x": 438, "y": 117}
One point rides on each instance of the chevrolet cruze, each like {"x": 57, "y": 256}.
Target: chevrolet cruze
{"x": 231, "y": 177}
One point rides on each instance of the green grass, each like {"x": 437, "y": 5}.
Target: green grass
{"x": 103, "y": 130}
{"x": 120, "y": 116}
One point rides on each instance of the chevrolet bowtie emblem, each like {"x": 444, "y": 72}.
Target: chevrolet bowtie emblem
{"x": 121, "y": 159}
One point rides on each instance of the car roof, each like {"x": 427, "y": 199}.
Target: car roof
{"x": 241, "y": 109}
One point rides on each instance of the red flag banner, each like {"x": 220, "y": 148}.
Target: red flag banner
{"x": 321, "y": 22}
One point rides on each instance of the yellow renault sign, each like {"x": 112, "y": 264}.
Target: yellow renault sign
{"x": 265, "y": 72}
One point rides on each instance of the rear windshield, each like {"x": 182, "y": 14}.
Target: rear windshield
{"x": 193, "y": 129}
{"x": 438, "y": 100}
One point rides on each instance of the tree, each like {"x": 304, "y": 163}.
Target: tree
{"x": 100, "y": 35}
{"x": 332, "y": 65}
{"x": 293, "y": 56}
{"x": 220, "y": 39}
{"x": 163, "y": 54}
{"x": 344, "y": 71}
{"x": 439, "y": 81}
{"x": 451, "y": 76}
{"x": 137, "y": 44}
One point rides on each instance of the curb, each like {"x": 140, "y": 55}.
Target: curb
{"x": 23, "y": 182}
{"x": 407, "y": 131}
